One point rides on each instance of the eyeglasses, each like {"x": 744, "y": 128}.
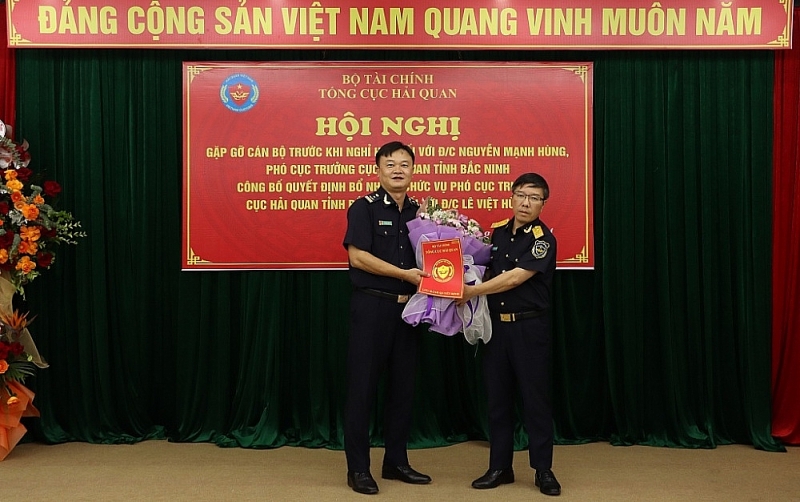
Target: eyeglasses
{"x": 533, "y": 199}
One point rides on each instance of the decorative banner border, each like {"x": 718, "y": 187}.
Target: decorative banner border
{"x": 410, "y": 24}
{"x": 274, "y": 154}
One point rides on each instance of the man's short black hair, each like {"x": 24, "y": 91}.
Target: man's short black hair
{"x": 536, "y": 180}
{"x": 390, "y": 148}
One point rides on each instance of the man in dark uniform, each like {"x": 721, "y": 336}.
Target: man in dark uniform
{"x": 383, "y": 273}
{"x": 518, "y": 354}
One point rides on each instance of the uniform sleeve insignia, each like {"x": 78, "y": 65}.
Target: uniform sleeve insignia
{"x": 537, "y": 231}
{"x": 372, "y": 197}
{"x": 539, "y": 250}
{"x": 500, "y": 223}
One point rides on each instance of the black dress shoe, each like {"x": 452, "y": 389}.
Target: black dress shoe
{"x": 405, "y": 474}
{"x": 362, "y": 482}
{"x": 494, "y": 478}
{"x": 547, "y": 482}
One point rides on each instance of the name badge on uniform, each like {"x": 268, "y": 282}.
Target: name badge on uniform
{"x": 384, "y": 223}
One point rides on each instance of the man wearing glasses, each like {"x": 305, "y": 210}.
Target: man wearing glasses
{"x": 520, "y": 276}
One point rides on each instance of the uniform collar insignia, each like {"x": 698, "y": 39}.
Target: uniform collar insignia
{"x": 533, "y": 228}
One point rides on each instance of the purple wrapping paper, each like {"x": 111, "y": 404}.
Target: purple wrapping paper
{"x": 441, "y": 313}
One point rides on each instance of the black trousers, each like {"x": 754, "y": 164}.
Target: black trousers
{"x": 518, "y": 358}
{"x": 380, "y": 341}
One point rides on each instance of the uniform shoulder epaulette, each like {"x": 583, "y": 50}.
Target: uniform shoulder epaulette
{"x": 372, "y": 197}
{"x": 413, "y": 201}
{"x": 536, "y": 230}
{"x": 498, "y": 224}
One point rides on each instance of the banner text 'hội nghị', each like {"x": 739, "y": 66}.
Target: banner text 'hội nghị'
{"x": 274, "y": 154}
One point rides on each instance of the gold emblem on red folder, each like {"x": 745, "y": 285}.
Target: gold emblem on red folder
{"x": 443, "y": 270}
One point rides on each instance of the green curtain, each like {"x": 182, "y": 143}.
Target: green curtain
{"x": 666, "y": 342}
{"x": 686, "y": 153}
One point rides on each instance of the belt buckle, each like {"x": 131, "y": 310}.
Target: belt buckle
{"x": 507, "y": 317}
{"x": 402, "y": 298}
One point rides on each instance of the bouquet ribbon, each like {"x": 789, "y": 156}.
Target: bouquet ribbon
{"x": 11, "y": 430}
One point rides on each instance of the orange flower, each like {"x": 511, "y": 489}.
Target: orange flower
{"x": 19, "y": 204}
{"x": 25, "y": 264}
{"x": 16, "y": 197}
{"x": 11, "y": 174}
{"x": 16, "y": 320}
{"x": 3, "y": 255}
{"x": 26, "y": 247}
{"x": 30, "y": 212}
{"x": 3, "y": 366}
{"x": 14, "y": 185}
{"x": 30, "y": 233}
{"x": 38, "y": 200}
{"x": 12, "y": 400}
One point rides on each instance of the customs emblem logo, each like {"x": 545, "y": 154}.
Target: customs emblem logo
{"x": 443, "y": 270}
{"x": 239, "y": 93}
{"x": 539, "y": 250}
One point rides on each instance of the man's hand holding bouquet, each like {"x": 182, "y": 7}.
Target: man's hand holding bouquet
{"x": 434, "y": 223}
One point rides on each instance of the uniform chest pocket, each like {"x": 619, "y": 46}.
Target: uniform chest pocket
{"x": 385, "y": 229}
{"x": 504, "y": 258}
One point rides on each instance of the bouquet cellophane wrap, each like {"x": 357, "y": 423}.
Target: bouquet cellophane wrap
{"x": 442, "y": 314}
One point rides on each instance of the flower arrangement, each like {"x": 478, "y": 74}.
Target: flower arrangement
{"x": 29, "y": 226}
{"x": 15, "y": 363}
{"x": 16, "y": 400}
{"x": 442, "y": 314}
{"x": 29, "y": 230}
{"x": 452, "y": 218}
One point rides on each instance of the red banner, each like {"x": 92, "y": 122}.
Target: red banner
{"x": 276, "y": 153}
{"x": 414, "y": 24}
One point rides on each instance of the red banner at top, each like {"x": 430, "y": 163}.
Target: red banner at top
{"x": 398, "y": 24}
